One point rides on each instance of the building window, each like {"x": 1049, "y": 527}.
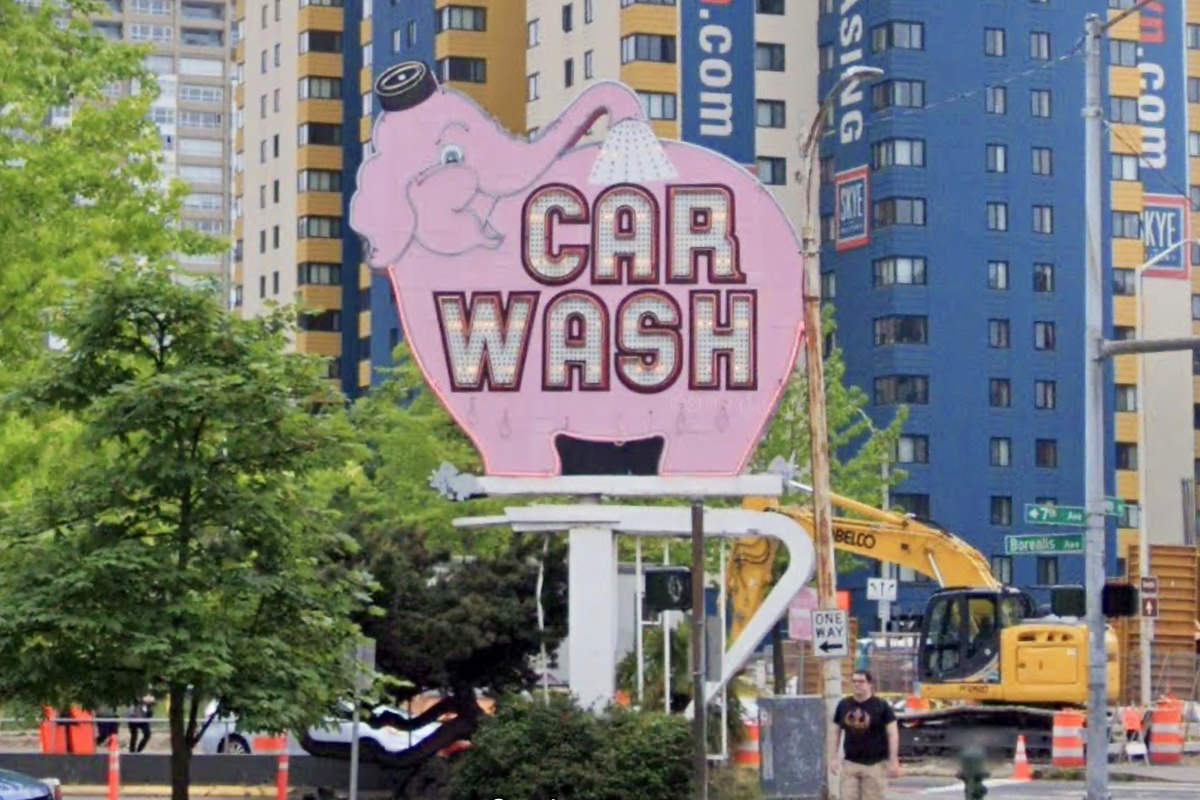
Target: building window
{"x": 1126, "y": 225}
{"x": 1193, "y": 90}
{"x": 319, "y": 88}
{"x": 769, "y": 113}
{"x": 319, "y": 227}
{"x": 1131, "y": 517}
{"x": 1000, "y": 451}
{"x": 1194, "y": 197}
{"x": 275, "y": 282}
{"x": 998, "y": 275}
{"x": 589, "y": 65}
{"x": 768, "y": 57}
{"x": 898, "y": 211}
{"x": 1125, "y": 397}
{"x": 1045, "y": 453}
{"x": 998, "y": 334}
{"x": 897, "y": 153}
{"x": 997, "y": 216}
{"x": 589, "y": 12}
{"x": 1194, "y": 143}
{"x": 911, "y": 449}
{"x": 1123, "y": 109}
{"x": 318, "y": 180}
{"x": 1045, "y": 395}
{"x": 999, "y": 393}
{"x": 911, "y": 389}
{"x": 1043, "y": 277}
{"x": 1043, "y": 219}
{"x": 828, "y": 285}
{"x": 901, "y": 329}
{"x": 318, "y": 133}
{"x": 567, "y": 22}
{"x": 1039, "y": 45}
{"x": 912, "y": 503}
{"x": 262, "y": 285}
{"x": 1122, "y": 53}
{"x": 1002, "y": 568}
{"x": 1126, "y": 455}
{"x": 769, "y": 6}
{"x": 533, "y": 33}
{"x": 903, "y": 270}
{"x": 898, "y": 94}
{"x": 997, "y": 158}
{"x": 1001, "y": 510}
{"x": 825, "y": 58}
{"x": 898, "y": 35}
{"x": 1043, "y": 336}
{"x": 1042, "y": 157}
{"x": 410, "y": 33}
{"x": 1039, "y": 102}
{"x": 532, "y": 86}
{"x": 1124, "y": 281}
{"x": 1124, "y": 167}
{"x": 658, "y": 105}
{"x": 993, "y": 41}
{"x": 1124, "y": 333}
{"x": 772, "y": 170}
{"x": 647, "y": 47}
{"x": 320, "y": 321}
{"x": 996, "y": 100}
{"x": 311, "y": 272}
{"x": 568, "y": 73}
{"x": 1196, "y": 308}
{"x": 1192, "y": 35}
{"x": 1047, "y": 570}
{"x": 460, "y": 18}
{"x": 275, "y": 241}
{"x": 457, "y": 68}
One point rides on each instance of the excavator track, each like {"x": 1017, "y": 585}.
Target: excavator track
{"x": 946, "y": 731}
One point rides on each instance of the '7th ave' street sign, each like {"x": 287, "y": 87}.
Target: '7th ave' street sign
{"x": 1069, "y": 515}
{"x": 1031, "y": 545}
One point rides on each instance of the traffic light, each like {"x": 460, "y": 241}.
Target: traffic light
{"x": 1117, "y": 600}
{"x": 668, "y": 588}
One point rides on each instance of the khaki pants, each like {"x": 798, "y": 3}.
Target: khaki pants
{"x": 860, "y": 782}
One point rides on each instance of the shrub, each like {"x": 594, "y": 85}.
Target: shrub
{"x": 536, "y": 751}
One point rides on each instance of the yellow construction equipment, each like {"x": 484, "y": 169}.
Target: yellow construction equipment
{"x": 980, "y": 641}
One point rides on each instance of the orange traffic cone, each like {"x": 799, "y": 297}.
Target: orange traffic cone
{"x": 1021, "y": 769}
{"x": 114, "y": 768}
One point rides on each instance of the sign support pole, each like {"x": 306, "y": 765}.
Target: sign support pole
{"x": 700, "y": 715}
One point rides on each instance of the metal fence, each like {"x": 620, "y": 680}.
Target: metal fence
{"x": 1173, "y": 671}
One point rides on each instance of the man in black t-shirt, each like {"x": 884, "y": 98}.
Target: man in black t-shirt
{"x": 866, "y": 726}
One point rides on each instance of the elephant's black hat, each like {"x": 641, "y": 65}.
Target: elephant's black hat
{"x": 404, "y": 85}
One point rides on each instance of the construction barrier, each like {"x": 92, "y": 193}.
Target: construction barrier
{"x": 1021, "y": 769}
{"x": 69, "y": 733}
{"x": 747, "y": 753}
{"x": 273, "y": 744}
{"x": 1166, "y": 732}
{"x": 114, "y": 768}
{"x": 1067, "y": 744}
{"x": 914, "y": 703}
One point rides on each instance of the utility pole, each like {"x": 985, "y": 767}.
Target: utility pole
{"x": 1093, "y": 416}
{"x": 831, "y": 668}
{"x": 699, "y": 706}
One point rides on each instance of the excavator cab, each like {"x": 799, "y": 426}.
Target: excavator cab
{"x": 960, "y": 633}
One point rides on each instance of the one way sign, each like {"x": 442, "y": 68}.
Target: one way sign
{"x": 829, "y": 633}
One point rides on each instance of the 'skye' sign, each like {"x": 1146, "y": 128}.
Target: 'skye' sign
{"x": 611, "y": 291}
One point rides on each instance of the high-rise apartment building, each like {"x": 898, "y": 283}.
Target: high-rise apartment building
{"x": 191, "y": 42}
{"x": 953, "y": 229}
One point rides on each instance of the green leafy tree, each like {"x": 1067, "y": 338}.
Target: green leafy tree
{"x": 75, "y": 198}
{"x": 181, "y": 548}
{"x": 458, "y": 610}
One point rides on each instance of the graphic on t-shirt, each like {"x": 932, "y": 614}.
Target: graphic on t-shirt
{"x": 857, "y": 720}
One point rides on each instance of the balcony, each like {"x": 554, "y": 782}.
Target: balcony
{"x": 319, "y": 156}
{"x": 322, "y": 204}
{"x": 320, "y": 18}
{"x": 327, "y": 65}
{"x": 1125, "y": 426}
{"x": 199, "y": 37}
{"x": 317, "y": 296}
{"x": 1127, "y": 485}
{"x": 329, "y": 111}
{"x": 321, "y": 343}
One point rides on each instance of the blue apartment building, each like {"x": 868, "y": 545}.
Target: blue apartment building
{"x": 953, "y": 251}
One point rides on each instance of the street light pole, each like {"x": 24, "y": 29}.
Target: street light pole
{"x": 1093, "y": 416}
{"x": 818, "y": 430}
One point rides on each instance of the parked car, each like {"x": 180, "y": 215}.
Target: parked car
{"x": 18, "y": 786}
{"x": 331, "y": 739}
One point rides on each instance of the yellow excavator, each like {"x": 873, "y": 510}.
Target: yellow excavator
{"x": 982, "y": 644}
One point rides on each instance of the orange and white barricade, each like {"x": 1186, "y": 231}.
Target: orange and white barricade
{"x": 915, "y": 703}
{"x": 747, "y": 753}
{"x": 1067, "y": 745}
{"x": 1166, "y": 732}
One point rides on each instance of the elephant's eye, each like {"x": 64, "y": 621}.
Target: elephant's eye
{"x": 452, "y": 154}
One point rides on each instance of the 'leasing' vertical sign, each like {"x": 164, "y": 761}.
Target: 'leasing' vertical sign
{"x": 717, "y": 76}
{"x": 846, "y": 144}
{"x": 1162, "y": 111}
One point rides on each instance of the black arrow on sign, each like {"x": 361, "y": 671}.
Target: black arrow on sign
{"x": 827, "y": 646}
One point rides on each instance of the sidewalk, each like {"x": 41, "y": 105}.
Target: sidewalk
{"x": 1179, "y": 774}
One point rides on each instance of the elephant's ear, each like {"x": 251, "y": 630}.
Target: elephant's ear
{"x": 631, "y": 153}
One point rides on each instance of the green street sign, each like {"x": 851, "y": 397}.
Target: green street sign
{"x": 1055, "y": 515}
{"x": 1113, "y": 506}
{"x": 1036, "y": 545}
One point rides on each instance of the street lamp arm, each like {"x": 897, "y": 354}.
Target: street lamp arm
{"x": 1168, "y": 251}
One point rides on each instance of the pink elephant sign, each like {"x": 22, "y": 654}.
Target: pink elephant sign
{"x": 609, "y": 291}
